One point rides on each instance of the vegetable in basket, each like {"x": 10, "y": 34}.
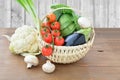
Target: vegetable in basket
{"x": 75, "y": 39}
{"x": 79, "y": 37}
{"x": 55, "y": 33}
{"x": 87, "y": 32}
{"x": 47, "y": 38}
{"x": 47, "y": 50}
{"x": 67, "y": 18}
{"x": 44, "y": 30}
{"x": 59, "y": 41}
{"x": 51, "y": 17}
{"x": 55, "y": 26}
{"x": 84, "y": 22}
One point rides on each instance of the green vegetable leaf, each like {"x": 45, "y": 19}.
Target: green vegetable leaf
{"x": 75, "y": 19}
{"x": 58, "y": 14}
{"x": 62, "y": 8}
{"x": 58, "y": 6}
{"x": 86, "y": 32}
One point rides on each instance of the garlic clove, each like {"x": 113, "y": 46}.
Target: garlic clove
{"x": 48, "y": 67}
{"x": 84, "y": 22}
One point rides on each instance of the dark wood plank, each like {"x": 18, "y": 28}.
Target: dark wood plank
{"x": 102, "y": 62}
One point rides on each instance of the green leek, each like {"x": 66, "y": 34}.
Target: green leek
{"x": 29, "y": 6}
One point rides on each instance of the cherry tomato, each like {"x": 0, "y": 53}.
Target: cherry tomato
{"x": 46, "y": 24}
{"x": 44, "y": 30}
{"x": 47, "y": 50}
{"x": 55, "y": 33}
{"x": 47, "y": 38}
{"x": 51, "y": 17}
{"x": 55, "y": 25}
{"x": 59, "y": 41}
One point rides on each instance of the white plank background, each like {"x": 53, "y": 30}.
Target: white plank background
{"x": 102, "y": 13}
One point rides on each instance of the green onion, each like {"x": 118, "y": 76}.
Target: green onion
{"x": 29, "y": 6}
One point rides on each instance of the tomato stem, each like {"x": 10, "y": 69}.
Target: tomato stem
{"x": 52, "y": 37}
{"x": 50, "y": 31}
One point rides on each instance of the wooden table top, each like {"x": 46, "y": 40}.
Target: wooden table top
{"x": 102, "y": 62}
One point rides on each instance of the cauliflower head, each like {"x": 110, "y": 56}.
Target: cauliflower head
{"x": 24, "y": 40}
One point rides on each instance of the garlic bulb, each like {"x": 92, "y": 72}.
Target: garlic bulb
{"x": 84, "y": 22}
{"x": 48, "y": 67}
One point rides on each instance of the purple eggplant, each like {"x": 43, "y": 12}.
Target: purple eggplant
{"x": 75, "y": 39}
{"x": 81, "y": 40}
{"x": 69, "y": 41}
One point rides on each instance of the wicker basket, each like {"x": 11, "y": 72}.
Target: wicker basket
{"x": 68, "y": 54}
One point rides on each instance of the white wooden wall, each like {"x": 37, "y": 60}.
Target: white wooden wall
{"x": 102, "y": 13}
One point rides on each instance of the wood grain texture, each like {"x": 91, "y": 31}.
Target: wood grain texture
{"x": 102, "y": 13}
{"x": 102, "y": 62}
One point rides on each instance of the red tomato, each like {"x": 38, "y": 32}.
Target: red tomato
{"x": 47, "y": 50}
{"x": 59, "y": 41}
{"x": 51, "y": 17}
{"x": 46, "y": 24}
{"x": 44, "y": 31}
{"x": 55, "y": 33}
{"x": 47, "y": 38}
{"x": 55, "y": 25}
